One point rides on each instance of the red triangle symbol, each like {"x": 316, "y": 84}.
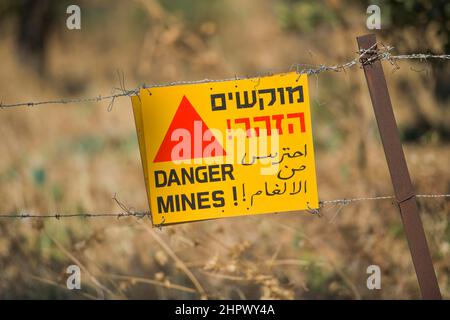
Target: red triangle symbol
{"x": 187, "y": 118}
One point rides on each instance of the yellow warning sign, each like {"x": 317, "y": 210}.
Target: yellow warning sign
{"x": 230, "y": 148}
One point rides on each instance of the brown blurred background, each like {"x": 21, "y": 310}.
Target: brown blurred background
{"x": 73, "y": 158}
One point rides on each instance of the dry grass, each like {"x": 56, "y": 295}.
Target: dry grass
{"x": 74, "y": 158}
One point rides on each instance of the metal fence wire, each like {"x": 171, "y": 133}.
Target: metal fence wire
{"x": 382, "y": 53}
{"x": 377, "y": 52}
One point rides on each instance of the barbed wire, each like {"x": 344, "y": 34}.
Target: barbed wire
{"x": 75, "y": 100}
{"x": 146, "y": 214}
{"x": 348, "y": 201}
{"x": 59, "y": 216}
{"x": 420, "y": 56}
{"x": 382, "y": 53}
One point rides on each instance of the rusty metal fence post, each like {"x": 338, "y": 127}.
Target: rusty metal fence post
{"x": 401, "y": 181}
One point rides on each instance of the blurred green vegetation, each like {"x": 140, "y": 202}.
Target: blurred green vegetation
{"x": 195, "y": 13}
{"x": 304, "y": 16}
